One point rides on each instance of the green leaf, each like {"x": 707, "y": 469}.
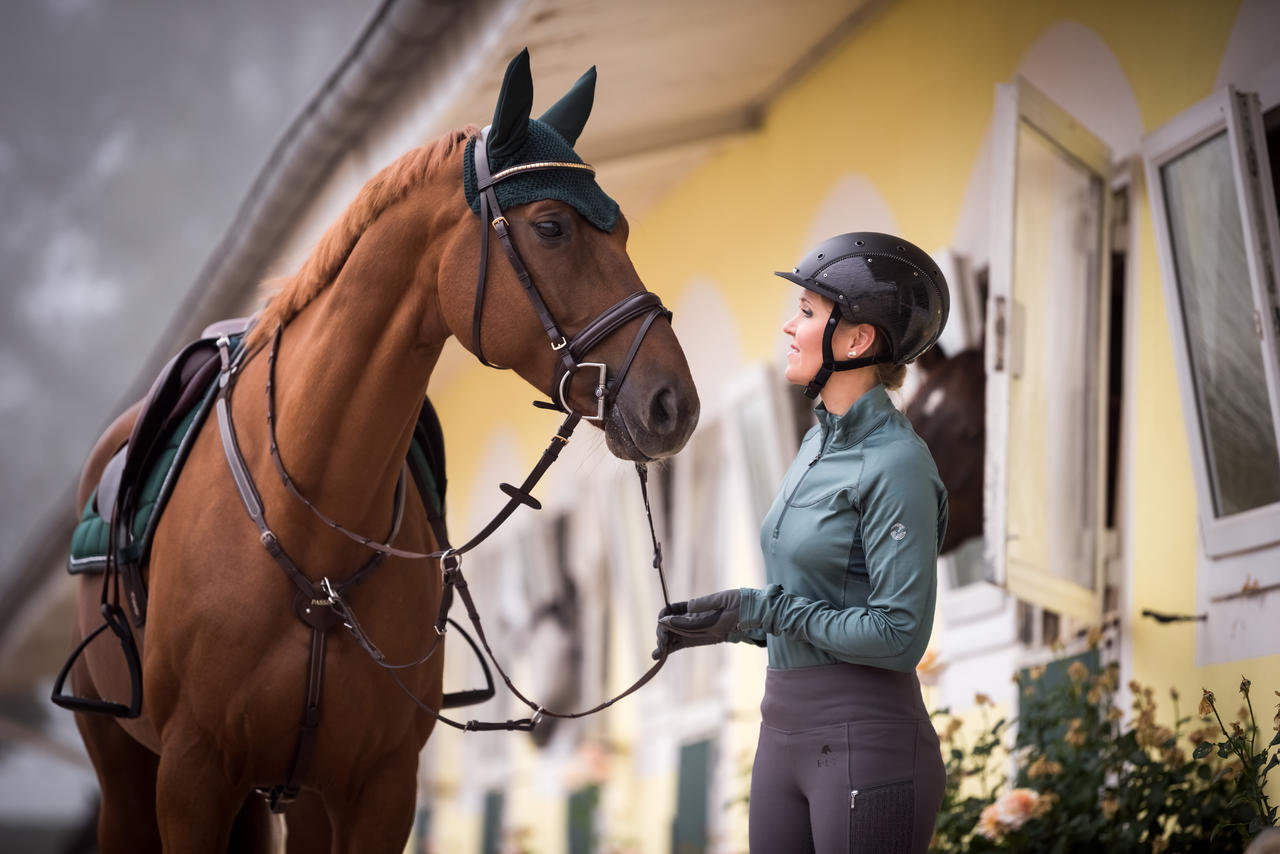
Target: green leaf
{"x": 1224, "y": 750}
{"x": 1202, "y": 750}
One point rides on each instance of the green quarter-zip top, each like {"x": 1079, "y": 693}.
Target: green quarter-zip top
{"x": 851, "y": 545}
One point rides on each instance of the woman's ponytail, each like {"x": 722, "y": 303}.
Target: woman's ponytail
{"x": 891, "y": 375}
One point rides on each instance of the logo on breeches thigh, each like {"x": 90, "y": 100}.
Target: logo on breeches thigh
{"x": 824, "y": 757}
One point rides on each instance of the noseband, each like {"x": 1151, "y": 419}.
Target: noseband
{"x": 569, "y": 351}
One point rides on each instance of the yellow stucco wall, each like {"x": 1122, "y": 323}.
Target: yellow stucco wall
{"x": 907, "y": 102}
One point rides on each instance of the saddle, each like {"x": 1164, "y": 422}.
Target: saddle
{"x": 136, "y": 483}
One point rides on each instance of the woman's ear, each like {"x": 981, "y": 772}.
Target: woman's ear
{"x": 861, "y": 341}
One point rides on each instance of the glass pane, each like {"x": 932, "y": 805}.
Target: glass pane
{"x": 583, "y": 805}
{"x": 693, "y": 799}
{"x": 1218, "y": 310}
{"x": 1053, "y": 432}
{"x": 491, "y": 829}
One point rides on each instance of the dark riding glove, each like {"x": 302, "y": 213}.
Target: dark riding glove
{"x": 698, "y": 622}
{"x": 669, "y": 641}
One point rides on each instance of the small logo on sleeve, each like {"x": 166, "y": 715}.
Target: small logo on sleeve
{"x": 898, "y": 531}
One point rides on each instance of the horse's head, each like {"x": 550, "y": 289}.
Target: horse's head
{"x": 581, "y": 304}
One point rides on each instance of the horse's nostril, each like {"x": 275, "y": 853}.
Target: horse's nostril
{"x": 662, "y": 411}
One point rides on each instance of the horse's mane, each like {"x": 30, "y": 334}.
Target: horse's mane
{"x": 393, "y": 183}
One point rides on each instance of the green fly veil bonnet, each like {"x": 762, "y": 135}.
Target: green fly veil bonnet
{"x": 514, "y": 139}
{"x": 518, "y": 160}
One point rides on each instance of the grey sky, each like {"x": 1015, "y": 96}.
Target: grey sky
{"x": 129, "y": 133}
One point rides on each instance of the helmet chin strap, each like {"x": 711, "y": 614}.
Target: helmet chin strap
{"x": 829, "y": 363}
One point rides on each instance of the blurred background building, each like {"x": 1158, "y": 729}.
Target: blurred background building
{"x": 1098, "y": 181}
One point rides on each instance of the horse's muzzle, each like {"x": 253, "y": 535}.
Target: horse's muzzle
{"x": 653, "y": 424}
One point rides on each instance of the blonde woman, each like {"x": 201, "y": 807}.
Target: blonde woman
{"x": 847, "y": 758}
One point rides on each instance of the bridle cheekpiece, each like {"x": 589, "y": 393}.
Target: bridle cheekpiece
{"x": 569, "y": 350}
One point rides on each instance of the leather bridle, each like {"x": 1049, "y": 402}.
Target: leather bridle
{"x": 322, "y": 606}
{"x": 569, "y": 351}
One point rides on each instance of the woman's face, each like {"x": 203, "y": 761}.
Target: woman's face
{"x": 804, "y": 357}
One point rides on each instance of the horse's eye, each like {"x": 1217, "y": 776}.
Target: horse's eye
{"x": 548, "y": 228}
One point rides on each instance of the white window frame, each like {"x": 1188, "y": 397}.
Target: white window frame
{"x": 1017, "y": 102}
{"x": 1239, "y": 111}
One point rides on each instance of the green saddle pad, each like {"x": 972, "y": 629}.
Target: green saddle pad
{"x": 89, "y": 540}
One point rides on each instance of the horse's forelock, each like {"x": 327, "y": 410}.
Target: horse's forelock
{"x": 291, "y": 294}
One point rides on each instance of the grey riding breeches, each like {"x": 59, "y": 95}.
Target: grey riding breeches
{"x": 848, "y": 761}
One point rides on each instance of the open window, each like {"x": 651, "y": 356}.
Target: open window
{"x": 1211, "y": 175}
{"x": 1047, "y": 360}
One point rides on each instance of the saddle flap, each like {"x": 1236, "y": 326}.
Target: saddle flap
{"x": 109, "y": 484}
{"x": 178, "y": 387}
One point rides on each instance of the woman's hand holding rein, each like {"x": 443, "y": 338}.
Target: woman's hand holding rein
{"x": 698, "y": 622}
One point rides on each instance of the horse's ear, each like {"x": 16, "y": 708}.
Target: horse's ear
{"x": 569, "y": 115}
{"x": 515, "y": 100}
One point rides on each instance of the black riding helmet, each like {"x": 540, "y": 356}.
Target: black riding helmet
{"x": 878, "y": 279}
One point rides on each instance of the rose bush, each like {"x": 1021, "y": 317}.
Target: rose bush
{"x": 1078, "y": 776}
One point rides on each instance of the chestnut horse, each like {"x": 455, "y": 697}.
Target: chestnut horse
{"x": 364, "y": 321}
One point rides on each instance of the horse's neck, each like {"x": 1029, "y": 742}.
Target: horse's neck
{"x": 350, "y": 380}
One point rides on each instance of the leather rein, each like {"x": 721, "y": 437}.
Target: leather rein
{"x": 322, "y": 606}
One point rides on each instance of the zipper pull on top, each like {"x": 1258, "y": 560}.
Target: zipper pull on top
{"x": 853, "y": 797}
